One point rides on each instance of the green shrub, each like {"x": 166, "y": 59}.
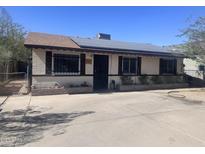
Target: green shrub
{"x": 170, "y": 79}
{"x": 156, "y": 80}
{"x": 143, "y": 79}
{"x": 180, "y": 79}
{"x": 126, "y": 80}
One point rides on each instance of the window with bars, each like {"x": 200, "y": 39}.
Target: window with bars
{"x": 66, "y": 64}
{"x": 129, "y": 65}
{"x": 168, "y": 66}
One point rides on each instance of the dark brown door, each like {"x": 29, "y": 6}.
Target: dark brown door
{"x": 100, "y": 72}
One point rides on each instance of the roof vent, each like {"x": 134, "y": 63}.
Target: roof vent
{"x": 104, "y": 36}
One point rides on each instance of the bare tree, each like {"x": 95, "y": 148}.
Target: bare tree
{"x": 195, "y": 45}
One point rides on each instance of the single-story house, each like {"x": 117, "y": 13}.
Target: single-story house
{"x": 99, "y": 63}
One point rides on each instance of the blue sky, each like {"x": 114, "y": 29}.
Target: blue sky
{"x": 156, "y": 25}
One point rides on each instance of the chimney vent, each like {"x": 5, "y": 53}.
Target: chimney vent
{"x": 104, "y": 36}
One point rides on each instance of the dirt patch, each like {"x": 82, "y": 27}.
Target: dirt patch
{"x": 11, "y": 88}
{"x": 189, "y": 97}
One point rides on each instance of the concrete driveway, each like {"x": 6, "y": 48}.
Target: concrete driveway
{"x": 150, "y": 118}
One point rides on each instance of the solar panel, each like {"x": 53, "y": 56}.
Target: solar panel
{"x": 111, "y": 44}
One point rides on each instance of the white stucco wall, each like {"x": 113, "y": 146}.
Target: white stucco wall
{"x": 150, "y": 65}
{"x": 180, "y": 68}
{"x": 89, "y": 66}
{"x": 113, "y": 64}
{"x": 38, "y": 62}
{"x": 38, "y": 68}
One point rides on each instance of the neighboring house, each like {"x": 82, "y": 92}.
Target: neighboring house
{"x": 191, "y": 67}
{"x": 194, "y": 68}
{"x": 97, "y": 62}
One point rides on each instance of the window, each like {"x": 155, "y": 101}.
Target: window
{"x": 66, "y": 63}
{"x": 129, "y": 66}
{"x": 168, "y": 66}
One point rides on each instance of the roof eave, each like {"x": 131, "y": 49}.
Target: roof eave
{"x": 140, "y": 52}
{"x": 84, "y": 49}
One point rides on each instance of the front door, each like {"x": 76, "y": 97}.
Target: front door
{"x": 100, "y": 72}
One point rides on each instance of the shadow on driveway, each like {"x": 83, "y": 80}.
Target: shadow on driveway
{"x": 18, "y": 128}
